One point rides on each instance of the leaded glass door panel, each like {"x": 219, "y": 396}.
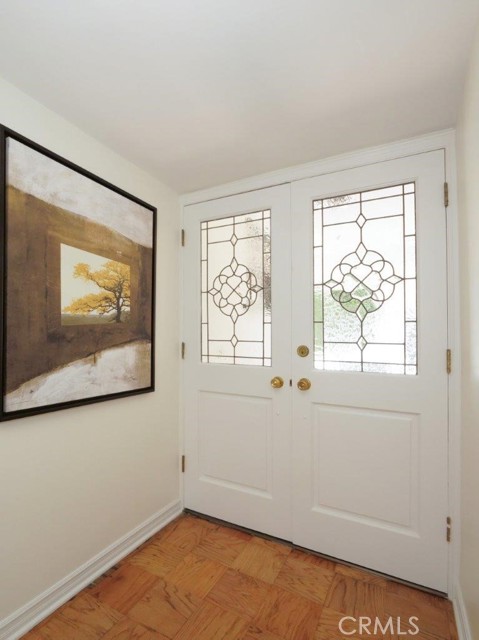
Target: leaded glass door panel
{"x": 238, "y": 332}
{"x": 370, "y": 434}
{"x": 236, "y": 289}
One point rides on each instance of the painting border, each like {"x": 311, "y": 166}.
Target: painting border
{"x": 5, "y": 134}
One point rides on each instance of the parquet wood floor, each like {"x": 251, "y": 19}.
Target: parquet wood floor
{"x": 196, "y": 580}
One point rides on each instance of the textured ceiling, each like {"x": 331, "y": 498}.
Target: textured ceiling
{"x": 201, "y": 92}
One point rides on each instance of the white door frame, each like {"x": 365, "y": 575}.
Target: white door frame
{"x": 441, "y": 140}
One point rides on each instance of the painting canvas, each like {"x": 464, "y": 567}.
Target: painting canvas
{"x": 78, "y": 284}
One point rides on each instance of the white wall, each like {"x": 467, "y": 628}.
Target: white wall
{"x": 75, "y": 481}
{"x": 468, "y": 171}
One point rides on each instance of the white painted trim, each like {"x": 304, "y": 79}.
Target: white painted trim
{"x": 460, "y": 613}
{"x": 439, "y": 140}
{"x": 25, "y": 618}
{"x": 181, "y": 397}
{"x": 371, "y": 155}
{"x": 454, "y": 341}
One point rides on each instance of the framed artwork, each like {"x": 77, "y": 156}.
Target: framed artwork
{"x": 78, "y": 284}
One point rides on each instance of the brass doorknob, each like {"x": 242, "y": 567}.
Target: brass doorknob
{"x": 302, "y": 351}
{"x": 277, "y": 382}
{"x": 304, "y": 384}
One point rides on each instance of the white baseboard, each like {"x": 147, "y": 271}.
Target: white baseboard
{"x": 462, "y": 621}
{"x": 25, "y": 618}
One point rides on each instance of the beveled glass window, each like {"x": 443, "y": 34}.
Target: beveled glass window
{"x": 236, "y": 290}
{"x": 365, "y": 281}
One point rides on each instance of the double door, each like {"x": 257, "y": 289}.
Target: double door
{"x": 315, "y": 385}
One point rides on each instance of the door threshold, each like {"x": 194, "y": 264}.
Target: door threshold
{"x": 291, "y": 545}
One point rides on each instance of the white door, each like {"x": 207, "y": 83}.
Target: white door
{"x": 370, "y": 435}
{"x": 237, "y": 283}
{"x": 355, "y": 466}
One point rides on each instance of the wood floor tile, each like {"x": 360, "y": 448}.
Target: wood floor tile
{"x": 453, "y": 635}
{"x": 213, "y": 623}
{"x": 306, "y": 575}
{"x": 32, "y": 635}
{"x": 422, "y": 635}
{"x": 363, "y": 576}
{"x": 416, "y": 595}
{"x": 279, "y": 547}
{"x": 355, "y": 597}
{"x": 162, "y": 533}
{"x": 165, "y": 608}
{"x": 188, "y": 533}
{"x": 255, "y": 633}
{"x": 433, "y": 619}
{"x": 369, "y": 600}
{"x": 158, "y": 558}
{"x": 239, "y": 593}
{"x": 336, "y": 625}
{"x": 328, "y": 628}
{"x": 223, "y": 545}
{"x": 262, "y": 559}
{"x": 84, "y": 619}
{"x": 130, "y": 630}
{"x": 313, "y": 559}
{"x": 123, "y": 588}
{"x": 196, "y": 575}
{"x": 288, "y": 615}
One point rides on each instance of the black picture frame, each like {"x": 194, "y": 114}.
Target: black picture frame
{"x": 77, "y": 291}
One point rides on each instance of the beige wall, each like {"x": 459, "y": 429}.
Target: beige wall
{"x": 75, "y": 481}
{"x": 468, "y": 171}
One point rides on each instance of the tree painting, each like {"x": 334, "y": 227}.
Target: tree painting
{"x": 104, "y": 285}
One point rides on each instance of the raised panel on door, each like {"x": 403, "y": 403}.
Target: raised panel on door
{"x": 346, "y": 442}
{"x": 237, "y": 333}
{"x": 236, "y": 453}
{"x": 370, "y": 435}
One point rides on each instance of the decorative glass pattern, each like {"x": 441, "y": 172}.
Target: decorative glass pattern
{"x": 236, "y": 290}
{"x": 365, "y": 281}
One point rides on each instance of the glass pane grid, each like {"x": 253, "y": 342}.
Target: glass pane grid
{"x": 236, "y": 290}
{"x": 365, "y": 281}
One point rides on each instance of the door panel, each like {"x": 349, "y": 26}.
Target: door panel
{"x": 238, "y": 333}
{"x": 370, "y": 435}
{"x": 231, "y": 457}
{"x": 342, "y": 448}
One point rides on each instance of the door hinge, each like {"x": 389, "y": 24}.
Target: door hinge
{"x": 183, "y": 237}
{"x": 183, "y": 463}
{"x": 446, "y": 194}
{"x": 449, "y": 360}
{"x": 448, "y": 528}
{"x": 183, "y": 350}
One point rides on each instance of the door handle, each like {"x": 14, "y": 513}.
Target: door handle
{"x": 277, "y": 382}
{"x": 304, "y": 384}
{"x": 302, "y": 351}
